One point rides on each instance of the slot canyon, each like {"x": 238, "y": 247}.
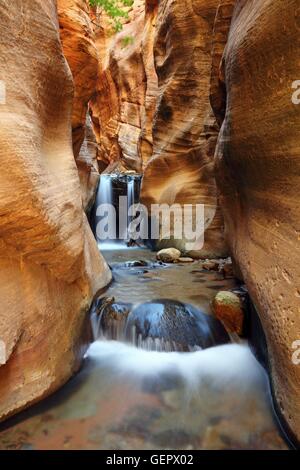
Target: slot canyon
{"x": 186, "y": 102}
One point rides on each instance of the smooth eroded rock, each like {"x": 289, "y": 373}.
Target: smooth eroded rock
{"x": 180, "y": 169}
{"x": 168, "y": 255}
{"x": 118, "y": 107}
{"x": 152, "y": 114}
{"x": 258, "y": 172}
{"x": 79, "y": 47}
{"x": 50, "y": 265}
{"x": 179, "y": 326}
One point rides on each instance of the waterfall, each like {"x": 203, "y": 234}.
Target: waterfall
{"x": 105, "y": 192}
{"x": 112, "y": 191}
{"x": 130, "y": 202}
{"x": 104, "y": 196}
{"x": 131, "y": 192}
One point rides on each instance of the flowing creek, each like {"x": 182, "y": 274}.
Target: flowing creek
{"x": 130, "y": 398}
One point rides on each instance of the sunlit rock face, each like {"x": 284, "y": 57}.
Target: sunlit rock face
{"x": 87, "y": 166}
{"x": 50, "y": 264}
{"x": 78, "y": 40}
{"x": 180, "y": 169}
{"x": 220, "y": 36}
{"x": 258, "y": 169}
{"x": 118, "y": 109}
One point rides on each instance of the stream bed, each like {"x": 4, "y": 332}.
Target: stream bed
{"x": 125, "y": 398}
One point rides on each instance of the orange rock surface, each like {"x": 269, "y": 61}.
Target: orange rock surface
{"x": 119, "y": 106}
{"x": 258, "y": 170}
{"x": 78, "y": 40}
{"x": 50, "y": 264}
{"x": 228, "y": 308}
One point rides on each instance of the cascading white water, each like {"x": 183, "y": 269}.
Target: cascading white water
{"x": 161, "y": 325}
{"x": 227, "y": 366}
{"x": 130, "y": 192}
{"x": 105, "y": 192}
{"x": 128, "y": 397}
{"x": 105, "y": 195}
{"x": 130, "y": 202}
{"x": 218, "y": 390}
{"x": 217, "y": 397}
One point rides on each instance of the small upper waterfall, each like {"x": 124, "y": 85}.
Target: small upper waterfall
{"x": 105, "y": 192}
{"x": 111, "y": 219}
{"x": 131, "y": 192}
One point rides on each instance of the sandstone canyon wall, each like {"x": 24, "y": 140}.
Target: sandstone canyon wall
{"x": 78, "y": 40}
{"x": 180, "y": 169}
{"x": 50, "y": 264}
{"x": 258, "y": 172}
{"x": 119, "y": 105}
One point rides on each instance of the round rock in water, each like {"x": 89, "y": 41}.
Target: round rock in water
{"x": 176, "y": 325}
{"x": 168, "y": 255}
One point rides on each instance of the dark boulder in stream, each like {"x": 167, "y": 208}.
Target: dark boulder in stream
{"x": 169, "y": 325}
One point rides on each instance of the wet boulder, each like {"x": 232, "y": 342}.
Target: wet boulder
{"x": 229, "y": 309}
{"x": 181, "y": 326}
{"x": 109, "y": 318}
{"x": 168, "y": 255}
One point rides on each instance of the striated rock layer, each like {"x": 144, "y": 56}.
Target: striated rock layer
{"x": 50, "y": 264}
{"x": 258, "y": 169}
{"x": 78, "y": 40}
{"x": 180, "y": 170}
{"x": 87, "y": 166}
{"x": 118, "y": 108}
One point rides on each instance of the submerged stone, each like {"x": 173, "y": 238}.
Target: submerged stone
{"x": 141, "y": 264}
{"x": 136, "y": 264}
{"x": 210, "y": 265}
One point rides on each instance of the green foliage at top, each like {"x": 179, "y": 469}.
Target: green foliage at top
{"x": 116, "y": 10}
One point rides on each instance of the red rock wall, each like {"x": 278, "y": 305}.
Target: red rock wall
{"x": 78, "y": 40}
{"x": 180, "y": 169}
{"x": 50, "y": 264}
{"x": 258, "y": 172}
{"x": 119, "y": 107}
